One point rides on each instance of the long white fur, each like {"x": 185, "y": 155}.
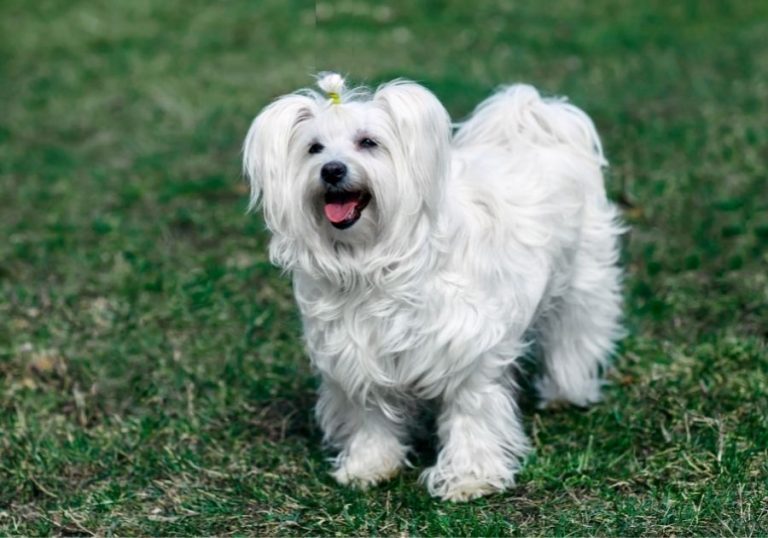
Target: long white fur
{"x": 473, "y": 244}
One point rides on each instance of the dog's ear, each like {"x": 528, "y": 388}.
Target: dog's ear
{"x": 269, "y": 140}
{"x": 423, "y": 129}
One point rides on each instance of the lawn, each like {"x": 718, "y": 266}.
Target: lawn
{"x": 152, "y": 378}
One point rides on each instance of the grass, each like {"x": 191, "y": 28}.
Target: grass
{"x": 152, "y": 379}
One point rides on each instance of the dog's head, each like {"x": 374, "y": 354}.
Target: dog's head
{"x": 347, "y": 170}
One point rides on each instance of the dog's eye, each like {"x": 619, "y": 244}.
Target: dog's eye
{"x": 367, "y": 143}
{"x": 316, "y": 148}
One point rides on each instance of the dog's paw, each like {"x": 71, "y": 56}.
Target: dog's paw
{"x": 364, "y": 479}
{"x": 461, "y": 487}
{"x": 363, "y": 473}
{"x": 366, "y": 464}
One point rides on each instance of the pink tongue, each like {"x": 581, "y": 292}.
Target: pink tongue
{"x": 339, "y": 212}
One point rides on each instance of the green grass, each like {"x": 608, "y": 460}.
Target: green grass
{"x": 152, "y": 379}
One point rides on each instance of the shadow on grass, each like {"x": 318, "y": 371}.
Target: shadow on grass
{"x": 282, "y": 419}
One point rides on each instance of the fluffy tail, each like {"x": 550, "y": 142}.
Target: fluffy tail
{"x": 517, "y": 116}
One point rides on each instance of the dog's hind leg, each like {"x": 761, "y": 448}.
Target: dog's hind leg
{"x": 578, "y": 332}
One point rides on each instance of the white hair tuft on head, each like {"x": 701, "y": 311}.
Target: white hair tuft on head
{"x": 332, "y": 84}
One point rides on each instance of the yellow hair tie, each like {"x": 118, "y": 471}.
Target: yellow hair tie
{"x": 334, "y": 97}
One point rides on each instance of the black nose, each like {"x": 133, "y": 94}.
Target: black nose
{"x": 333, "y": 172}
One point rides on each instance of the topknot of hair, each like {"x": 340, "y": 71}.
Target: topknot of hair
{"x": 331, "y": 83}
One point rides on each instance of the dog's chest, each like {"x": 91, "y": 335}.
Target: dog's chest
{"x": 376, "y": 339}
{"x": 373, "y": 329}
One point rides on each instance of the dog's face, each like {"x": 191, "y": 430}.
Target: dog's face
{"x": 344, "y": 169}
{"x": 358, "y": 173}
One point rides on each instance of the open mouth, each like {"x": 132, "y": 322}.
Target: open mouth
{"x": 343, "y": 208}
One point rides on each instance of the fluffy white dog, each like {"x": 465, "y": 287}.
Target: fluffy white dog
{"x": 425, "y": 261}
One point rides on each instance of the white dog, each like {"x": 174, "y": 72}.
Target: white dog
{"x": 425, "y": 261}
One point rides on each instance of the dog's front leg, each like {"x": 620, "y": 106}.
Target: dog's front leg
{"x": 482, "y": 441}
{"x": 369, "y": 437}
